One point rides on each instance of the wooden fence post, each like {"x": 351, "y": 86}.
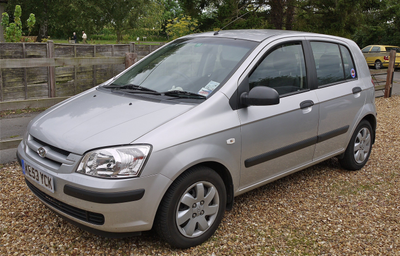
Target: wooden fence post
{"x": 94, "y": 67}
{"x": 52, "y": 70}
{"x": 1, "y": 85}
{"x": 130, "y": 59}
{"x": 132, "y": 47}
{"x": 75, "y": 81}
{"x": 390, "y": 71}
{"x": 112, "y": 66}
{"x": 25, "y": 73}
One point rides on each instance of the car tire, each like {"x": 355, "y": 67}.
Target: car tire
{"x": 359, "y": 148}
{"x": 378, "y": 64}
{"x": 192, "y": 208}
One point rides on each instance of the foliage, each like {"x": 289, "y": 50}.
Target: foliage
{"x": 381, "y": 21}
{"x": 12, "y": 31}
{"x": 124, "y": 16}
{"x": 181, "y": 26}
{"x": 365, "y": 21}
{"x": 31, "y": 22}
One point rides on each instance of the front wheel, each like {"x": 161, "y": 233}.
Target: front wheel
{"x": 192, "y": 208}
{"x": 359, "y": 148}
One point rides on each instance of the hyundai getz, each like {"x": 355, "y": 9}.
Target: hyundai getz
{"x": 168, "y": 143}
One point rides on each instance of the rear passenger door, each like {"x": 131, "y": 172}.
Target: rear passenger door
{"x": 340, "y": 96}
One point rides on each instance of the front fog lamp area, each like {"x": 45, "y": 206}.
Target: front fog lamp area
{"x": 114, "y": 163}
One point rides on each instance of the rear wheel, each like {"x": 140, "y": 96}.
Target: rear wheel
{"x": 378, "y": 64}
{"x": 359, "y": 148}
{"x": 192, "y": 208}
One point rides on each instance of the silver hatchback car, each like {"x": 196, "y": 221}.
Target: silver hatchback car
{"x": 168, "y": 143}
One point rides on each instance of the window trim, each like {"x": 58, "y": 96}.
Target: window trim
{"x": 273, "y": 48}
{"x": 315, "y": 79}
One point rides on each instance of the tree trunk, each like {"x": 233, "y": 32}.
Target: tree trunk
{"x": 119, "y": 36}
{"x": 276, "y": 16}
{"x": 43, "y": 31}
{"x": 289, "y": 14}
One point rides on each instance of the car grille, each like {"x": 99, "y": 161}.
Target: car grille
{"x": 54, "y": 157}
{"x": 91, "y": 217}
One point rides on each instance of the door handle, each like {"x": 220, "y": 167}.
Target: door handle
{"x": 306, "y": 104}
{"x": 356, "y": 90}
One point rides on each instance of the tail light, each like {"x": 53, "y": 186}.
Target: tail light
{"x": 386, "y": 57}
{"x": 372, "y": 81}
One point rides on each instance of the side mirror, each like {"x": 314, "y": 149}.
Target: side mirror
{"x": 260, "y": 96}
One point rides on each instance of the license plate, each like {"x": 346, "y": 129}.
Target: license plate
{"x": 42, "y": 178}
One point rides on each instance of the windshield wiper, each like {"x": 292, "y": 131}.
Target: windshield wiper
{"x": 132, "y": 88}
{"x": 184, "y": 94}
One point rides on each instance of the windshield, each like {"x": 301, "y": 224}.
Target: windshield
{"x": 195, "y": 66}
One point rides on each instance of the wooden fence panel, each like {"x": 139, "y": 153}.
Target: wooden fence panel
{"x": 104, "y": 51}
{"x": 24, "y": 67}
{"x": 13, "y": 84}
{"x": 64, "y": 51}
{"x": 37, "y": 83}
{"x": 35, "y": 50}
{"x": 11, "y": 51}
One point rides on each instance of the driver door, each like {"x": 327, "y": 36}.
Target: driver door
{"x": 280, "y": 138}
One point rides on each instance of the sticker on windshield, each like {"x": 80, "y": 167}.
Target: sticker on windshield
{"x": 205, "y": 91}
{"x": 353, "y": 73}
{"x": 212, "y": 85}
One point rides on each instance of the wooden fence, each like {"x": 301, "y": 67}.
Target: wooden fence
{"x": 42, "y": 70}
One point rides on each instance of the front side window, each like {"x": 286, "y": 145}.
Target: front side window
{"x": 282, "y": 69}
{"x": 366, "y": 49}
{"x": 376, "y": 49}
{"x": 192, "y": 65}
{"x": 333, "y": 63}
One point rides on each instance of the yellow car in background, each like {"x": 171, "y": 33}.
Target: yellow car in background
{"x": 378, "y": 55}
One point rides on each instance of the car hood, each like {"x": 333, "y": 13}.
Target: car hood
{"x": 99, "y": 119}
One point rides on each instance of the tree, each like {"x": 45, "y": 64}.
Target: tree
{"x": 381, "y": 20}
{"x": 334, "y": 17}
{"x": 31, "y": 22}
{"x": 181, "y": 26}
{"x": 123, "y": 15}
{"x": 12, "y": 31}
{"x": 171, "y": 11}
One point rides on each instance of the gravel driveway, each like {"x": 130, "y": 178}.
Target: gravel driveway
{"x": 323, "y": 210}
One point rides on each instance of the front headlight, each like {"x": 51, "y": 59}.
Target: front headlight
{"x": 114, "y": 163}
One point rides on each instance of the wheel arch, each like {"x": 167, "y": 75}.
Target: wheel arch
{"x": 372, "y": 120}
{"x": 222, "y": 171}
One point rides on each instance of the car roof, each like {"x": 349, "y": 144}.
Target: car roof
{"x": 257, "y": 35}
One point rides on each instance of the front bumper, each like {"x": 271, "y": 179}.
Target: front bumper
{"x": 106, "y": 207}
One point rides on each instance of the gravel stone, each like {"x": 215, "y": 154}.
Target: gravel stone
{"x": 322, "y": 210}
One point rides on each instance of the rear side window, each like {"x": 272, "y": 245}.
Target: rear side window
{"x": 333, "y": 63}
{"x": 349, "y": 68}
{"x": 388, "y": 49}
{"x": 282, "y": 69}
